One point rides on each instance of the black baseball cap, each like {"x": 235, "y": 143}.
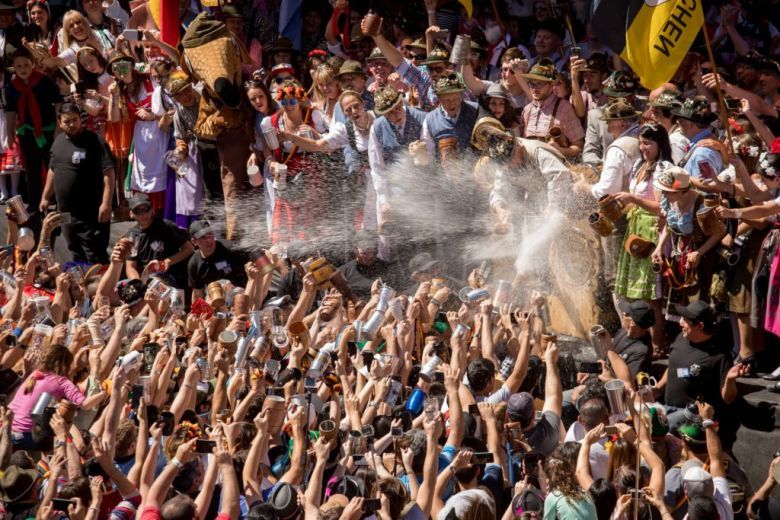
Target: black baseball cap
{"x": 200, "y": 228}
{"x": 639, "y": 311}
{"x": 699, "y": 312}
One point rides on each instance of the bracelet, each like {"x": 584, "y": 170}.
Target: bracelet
{"x": 707, "y": 423}
{"x": 737, "y": 213}
{"x": 93, "y": 508}
{"x": 436, "y": 302}
{"x": 176, "y": 462}
{"x": 17, "y": 331}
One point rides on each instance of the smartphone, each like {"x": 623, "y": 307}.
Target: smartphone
{"x": 135, "y": 396}
{"x": 62, "y": 504}
{"x": 351, "y": 346}
{"x": 368, "y": 431}
{"x": 205, "y": 446}
{"x": 705, "y": 170}
{"x": 310, "y": 384}
{"x": 473, "y": 409}
{"x": 167, "y": 419}
{"x": 133, "y": 35}
{"x": 368, "y": 357}
{"x": 371, "y": 505}
{"x": 611, "y": 429}
{"x": 733, "y": 105}
{"x": 442, "y": 34}
{"x": 150, "y": 353}
{"x": 152, "y": 414}
{"x": 576, "y": 52}
{"x": 396, "y": 432}
{"x": 590, "y": 367}
{"x": 482, "y": 457}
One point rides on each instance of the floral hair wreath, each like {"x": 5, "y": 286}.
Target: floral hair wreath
{"x": 736, "y": 127}
{"x": 317, "y": 53}
{"x": 290, "y": 91}
{"x": 745, "y": 150}
{"x": 766, "y": 165}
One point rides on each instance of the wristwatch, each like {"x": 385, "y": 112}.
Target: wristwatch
{"x": 707, "y": 423}
{"x": 374, "y": 404}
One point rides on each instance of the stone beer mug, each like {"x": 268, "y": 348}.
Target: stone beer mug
{"x": 600, "y": 224}
{"x": 709, "y": 222}
{"x": 610, "y": 207}
{"x": 461, "y": 50}
{"x": 556, "y": 134}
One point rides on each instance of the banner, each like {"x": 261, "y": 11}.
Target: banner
{"x": 652, "y": 36}
{"x": 468, "y": 5}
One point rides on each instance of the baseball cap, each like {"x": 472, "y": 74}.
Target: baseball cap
{"x": 530, "y": 500}
{"x": 200, "y": 228}
{"x": 639, "y": 311}
{"x": 696, "y": 481}
{"x": 520, "y": 407}
{"x": 698, "y": 311}
{"x": 139, "y": 199}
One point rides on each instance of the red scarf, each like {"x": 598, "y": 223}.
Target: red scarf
{"x": 27, "y": 99}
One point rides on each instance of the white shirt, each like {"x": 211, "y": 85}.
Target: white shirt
{"x": 552, "y": 174}
{"x": 614, "y": 174}
{"x": 599, "y": 456}
{"x": 679, "y": 143}
{"x": 722, "y": 499}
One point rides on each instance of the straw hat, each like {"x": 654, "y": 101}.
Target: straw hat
{"x": 673, "y": 179}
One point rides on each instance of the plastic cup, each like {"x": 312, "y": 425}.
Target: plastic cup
{"x": 255, "y": 177}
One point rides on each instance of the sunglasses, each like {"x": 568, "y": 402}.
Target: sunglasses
{"x": 288, "y": 102}
{"x": 416, "y": 57}
{"x": 281, "y": 79}
{"x": 438, "y": 70}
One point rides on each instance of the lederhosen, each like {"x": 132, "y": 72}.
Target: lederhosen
{"x": 303, "y": 202}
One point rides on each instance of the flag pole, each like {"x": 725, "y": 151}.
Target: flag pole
{"x": 722, "y": 111}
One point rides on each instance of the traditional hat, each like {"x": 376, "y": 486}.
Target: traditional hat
{"x": 280, "y": 68}
{"x": 552, "y": 25}
{"x": 115, "y": 55}
{"x": 351, "y": 67}
{"x": 177, "y": 82}
{"x": 476, "y": 47}
{"x": 283, "y": 44}
{"x": 449, "y": 84}
{"x": 543, "y": 70}
{"x": 386, "y": 99}
{"x": 231, "y": 11}
{"x": 376, "y": 55}
{"x": 598, "y": 62}
{"x": 696, "y": 109}
{"x": 619, "y": 109}
{"x": 438, "y": 54}
{"x": 417, "y": 44}
{"x": 485, "y": 127}
{"x": 667, "y": 99}
{"x": 619, "y": 84}
{"x": 16, "y": 482}
{"x": 674, "y": 179}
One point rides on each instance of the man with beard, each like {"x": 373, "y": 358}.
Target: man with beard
{"x": 527, "y": 169}
{"x": 588, "y": 94}
{"x": 361, "y": 272}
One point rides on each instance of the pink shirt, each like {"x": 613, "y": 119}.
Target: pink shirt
{"x": 538, "y": 118}
{"x": 57, "y": 386}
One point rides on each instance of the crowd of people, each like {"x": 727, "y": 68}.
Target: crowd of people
{"x": 320, "y": 309}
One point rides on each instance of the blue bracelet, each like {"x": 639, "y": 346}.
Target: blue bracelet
{"x": 17, "y": 331}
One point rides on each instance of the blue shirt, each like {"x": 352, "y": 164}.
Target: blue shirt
{"x": 702, "y": 154}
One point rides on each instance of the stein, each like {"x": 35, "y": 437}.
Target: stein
{"x": 276, "y": 410}
{"x": 709, "y": 222}
{"x": 373, "y": 23}
{"x": 228, "y": 340}
{"x": 269, "y": 134}
{"x": 255, "y": 176}
{"x": 461, "y": 50}
{"x": 328, "y": 430}
{"x": 20, "y": 210}
{"x": 263, "y": 263}
{"x": 556, "y": 134}
{"x": 546, "y": 340}
{"x": 419, "y": 152}
{"x": 600, "y": 224}
{"x": 299, "y": 331}
{"x": 595, "y": 340}
{"x": 610, "y": 207}
{"x": 25, "y": 239}
{"x": 240, "y": 304}
{"x": 321, "y": 270}
{"x": 711, "y": 200}
{"x": 448, "y": 149}
{"x": 216, "y": 295}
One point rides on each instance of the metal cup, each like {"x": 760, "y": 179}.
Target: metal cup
{"x": 280, "y": 176}
{"x": 320, "y": 364}
{"x": 595, "y": 340}
{"x": 371, "y": 327}
{"x": 427, "y": 371}
{"x": 41, "y": 404}
{"x": 477, "y": 295}
{"x": 25, "y": 239}
{"x": 19, "y": 208}
{"x": 385, "y": 295}
{"x": 461, "y": 50}
{"x": 269, "y": 134}
{"x": 709, "y": 222}
{"x": 397, "y": 308}
{"x": 616, "y": 395}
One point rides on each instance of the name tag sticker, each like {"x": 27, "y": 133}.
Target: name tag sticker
{"x": 683, "y": 373}
{"x": 78, "y": 156}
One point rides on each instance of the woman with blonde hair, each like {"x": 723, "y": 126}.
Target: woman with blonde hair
{"x": 325, "y": 90}
{"x": 75, "y": 34}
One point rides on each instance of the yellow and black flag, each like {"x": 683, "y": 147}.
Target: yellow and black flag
{"x": 652, "y": 36}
